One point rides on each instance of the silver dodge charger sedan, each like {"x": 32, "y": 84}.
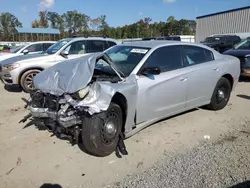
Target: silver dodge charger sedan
{"x": 98, "y": 100}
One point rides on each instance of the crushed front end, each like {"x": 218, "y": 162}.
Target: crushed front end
{"x": 57, "y": 114}
{"x": 73, "y": 100}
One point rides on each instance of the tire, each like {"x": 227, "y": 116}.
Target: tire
{"x": 26, "y": 81}
{"x": 221, "y": 95}
{"x": 95, "y": 138}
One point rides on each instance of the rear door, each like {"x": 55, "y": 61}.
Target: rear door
{"x": 202, "y": 74}
{"x": 163, "y": 94}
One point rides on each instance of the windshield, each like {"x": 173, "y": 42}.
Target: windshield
{"x": 125, "y": 58}
{"x": 244, "y": 45}
{"x": 57, "y": 46}
{"x": 213, "y": 39}
{"x": 16, "y": 49}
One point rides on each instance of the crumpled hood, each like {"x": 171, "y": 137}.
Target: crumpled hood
{"x": 16, "y": 59}
{"x": 68, "y": 76}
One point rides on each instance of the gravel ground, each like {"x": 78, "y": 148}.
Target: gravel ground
{"x": 33, "y": 158}
{"x": 222, "y": 163}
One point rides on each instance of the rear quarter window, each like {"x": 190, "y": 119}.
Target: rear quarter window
{"x": 197, "y": 55}
{"x": 110, "y": 44}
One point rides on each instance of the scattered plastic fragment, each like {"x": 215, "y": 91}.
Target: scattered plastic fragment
{"x": 206, "y": 137}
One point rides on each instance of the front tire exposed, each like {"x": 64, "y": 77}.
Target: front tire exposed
{"x": 26, "y": 80}
{"x": 100, "y": 132}
{"x": 221, "y": 94}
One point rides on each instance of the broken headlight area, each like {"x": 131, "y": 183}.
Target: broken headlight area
{"x": 57, "y": 114}
{"x": 63, "y": 115}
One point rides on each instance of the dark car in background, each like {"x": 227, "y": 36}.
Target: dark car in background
{"x": 222, "y": 43}
{"x": 176, "y": 38}
{"x": 242, "y": 51}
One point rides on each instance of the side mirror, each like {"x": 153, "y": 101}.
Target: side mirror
{"x": 25, "y": 51}
{"x": 65, "y": 54}
{"x": 151, "y": 70}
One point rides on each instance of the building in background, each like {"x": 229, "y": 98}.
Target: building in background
{"x": 236, "y": 21}
{"x": 36, "y": 34}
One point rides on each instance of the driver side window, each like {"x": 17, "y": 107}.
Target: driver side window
{"x": 166, "y": 58}
{"x": 78, "y": 47}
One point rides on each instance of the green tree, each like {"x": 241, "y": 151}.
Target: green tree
{"x": 76, "y": 22}
{"x": 171, "y": 25}
{"x": 8, "y": 24}
{"x": 104, "y": 27}
{"x": 35, "y": 24}
{"x": 54, "y": 19}
{"x": 43, "y": 19}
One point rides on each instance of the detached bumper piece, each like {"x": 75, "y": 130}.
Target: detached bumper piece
{"x": 121, "y": 148}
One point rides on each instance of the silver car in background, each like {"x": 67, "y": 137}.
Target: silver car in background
{"x": 31, "y": 48}
{"x": 104, "y": 98}
{"x": 20, "y": 70}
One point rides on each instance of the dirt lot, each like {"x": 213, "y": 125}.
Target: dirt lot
{"x": 30, "y": 157}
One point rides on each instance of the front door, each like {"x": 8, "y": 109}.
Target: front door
{"x": 163, "y": 94}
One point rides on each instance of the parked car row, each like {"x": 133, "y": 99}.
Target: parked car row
{"x": 102, "y": 92}
{"x": 24, "y": 62}
{"x": 221, "y": 43}
{"x": 17, "y": 69}
{"x": 32, "y": 48}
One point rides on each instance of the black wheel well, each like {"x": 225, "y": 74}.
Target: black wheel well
{"x": 230, "y": 79}
{"x": 25, "y": 70}
{"x": 120, "y": 100}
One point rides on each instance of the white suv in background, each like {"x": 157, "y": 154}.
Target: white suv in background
{"x": 32, "y": 48}
{"x": 21, "y": 70}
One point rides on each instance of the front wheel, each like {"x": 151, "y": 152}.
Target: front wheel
{"x": 100, "y": 132}
{"x": 26, "y": 80}
{"x": 221, "y": 94}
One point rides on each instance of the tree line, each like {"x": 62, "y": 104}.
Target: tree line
{"x": 76, "y": 23}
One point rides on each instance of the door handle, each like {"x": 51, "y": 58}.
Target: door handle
{"x": 183, "y": 79}
{"x": 216, "y": 69}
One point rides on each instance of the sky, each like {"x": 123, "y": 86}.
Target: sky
{"x": 120, "y": 12}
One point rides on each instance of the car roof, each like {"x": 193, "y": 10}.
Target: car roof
{"x": 92, "y": 38}
{"x": 223, "y": 36}
{"x": 38, "y": 42}
{"x": 154, "y": 43}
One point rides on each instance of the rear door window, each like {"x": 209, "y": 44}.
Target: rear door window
{"x": 46, "y": 46}
{"x": 78, "y": 47}
{"x": 195, "y": 55}
{"x": 110, "y": 43}
{"x": 96, "y": 46}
